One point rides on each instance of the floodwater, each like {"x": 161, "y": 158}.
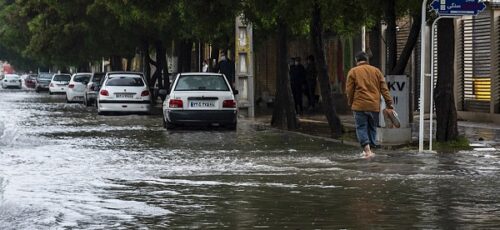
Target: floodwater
{"x": 64, "y": 167}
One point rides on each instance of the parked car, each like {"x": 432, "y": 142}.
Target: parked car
{"x": 11, "y": 81}
{"x": 124, "y": 92}
{"x": 200, "y": 99}
{"x": 30, "y": 81}
{"x": 59, "y": 83}
{"x": 43, "y": 82}
{"x": 92, "y": 89}
{"x": 76, "y": 87}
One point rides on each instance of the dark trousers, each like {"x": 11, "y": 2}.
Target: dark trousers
{"x": 297, "y": 98}
{"x": 310, "y": 93}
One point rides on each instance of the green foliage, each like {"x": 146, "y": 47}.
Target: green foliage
{"x": 56, "y": 32}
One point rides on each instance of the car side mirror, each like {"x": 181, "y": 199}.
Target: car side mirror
{"x": 236, "y": 92}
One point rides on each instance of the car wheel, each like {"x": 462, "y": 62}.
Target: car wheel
{"x": 232, "y": 126}
{"x": 169, "y": 125}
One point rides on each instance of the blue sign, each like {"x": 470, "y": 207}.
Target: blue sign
{"x": 458, "y": 7}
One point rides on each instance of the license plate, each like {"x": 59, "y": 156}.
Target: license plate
{"x": 13, "y": 81}
{"x": 124, "y": 95}
{"x": 202, "y": 104}
{"x": 78, "y": 98}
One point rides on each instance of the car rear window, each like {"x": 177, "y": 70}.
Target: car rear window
{"x": 201, "y": 83}
{"x": 15, "y": 77}
{"x": 125, "y": 81}
{"x": 62, "y": 78}
{"x": 81, "y": 78}
{"x": 45, "y": 76}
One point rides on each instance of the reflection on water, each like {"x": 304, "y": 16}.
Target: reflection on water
{"x": 61, "y": 166}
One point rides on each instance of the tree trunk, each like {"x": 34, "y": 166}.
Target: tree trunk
{"x": 184, "y": 55}
{"x": 375, "y": 45}
{"x": 116, "y": 63}
{"x": 284, "y": 114}
{"x": 323, "y": 77}
{"x": 446, "y": 113}
{"x": 146, "y": 59}
{"x": 161, "y": 56}
{"x": 391, "y": 39}
{"x": 83, "y": 67}
{"x": 130, "y": 59}
{"x": 409, "y": 46}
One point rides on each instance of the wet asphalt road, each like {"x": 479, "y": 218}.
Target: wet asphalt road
{"x": 64, "y": 167}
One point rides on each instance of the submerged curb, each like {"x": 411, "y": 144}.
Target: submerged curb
{"x": 329, "y": 139}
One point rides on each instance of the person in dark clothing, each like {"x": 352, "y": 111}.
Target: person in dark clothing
{"x": 226, "y": 67}
{"x": 311, "y": 82}
{"x": 297, "y": 81}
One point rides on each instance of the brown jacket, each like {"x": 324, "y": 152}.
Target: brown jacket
{"x": 365, "y": 85}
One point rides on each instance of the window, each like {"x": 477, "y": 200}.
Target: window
{"x": 202, "y": 83}
{"x": 125, "y": 81}
{"x": 81, "y": 78}
{"x": 62, "y": 78}
{"x": 47, "y": 76}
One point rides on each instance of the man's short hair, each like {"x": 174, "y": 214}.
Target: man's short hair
{"x": 361, "y": 56}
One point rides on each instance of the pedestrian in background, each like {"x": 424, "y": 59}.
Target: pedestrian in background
{"x": 204, "y": 67}
{"x": 297, "y": 81}
{"x": 365, "y": 86}
{"x": 226, "y": 67}
{"x": 311, "y": 82}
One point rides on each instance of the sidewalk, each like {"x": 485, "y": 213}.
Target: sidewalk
{"x": 481, "y": 135}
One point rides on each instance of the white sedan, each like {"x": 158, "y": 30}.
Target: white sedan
{"x": 200, "y": 99}
{"x": 12, "y": 81}
{"x": 124, "y": 92}
{"x": 59, "y": 83}
{"x": 76, "y": 87}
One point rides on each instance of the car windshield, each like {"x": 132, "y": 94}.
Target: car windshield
{"x": 81, "y": 78}
{"x": 46, "y": 76}
{"x": 201, "y": 83}
{"x": 62, "y": 78}
{"x": 125, "y": 81}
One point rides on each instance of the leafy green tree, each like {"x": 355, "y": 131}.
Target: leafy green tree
{"x": 14, "y": 37}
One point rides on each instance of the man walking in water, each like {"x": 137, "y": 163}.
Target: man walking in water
{"x": 365, "y": 85}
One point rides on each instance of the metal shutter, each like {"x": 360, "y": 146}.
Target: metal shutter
{"x": 476, "y": 53}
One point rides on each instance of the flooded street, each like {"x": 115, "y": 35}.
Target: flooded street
{"x": 64, "y": 167}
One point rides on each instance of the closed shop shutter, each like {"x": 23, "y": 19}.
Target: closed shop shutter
{"x": 476, "y": 62}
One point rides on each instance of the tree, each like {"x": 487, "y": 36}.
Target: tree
{"x": 282, "y": 19}
{"x": 14, "y": 37}
{"x": 350, "y": 17}
{"x": 324, "y": 80}
{"x": 391, "y": 11}
{"x": 446, "y": 113}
